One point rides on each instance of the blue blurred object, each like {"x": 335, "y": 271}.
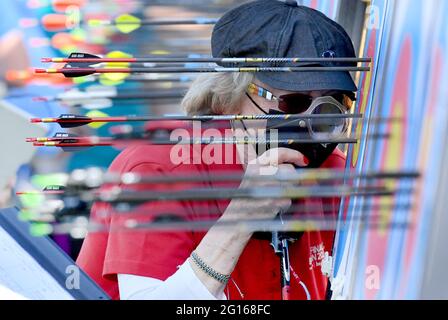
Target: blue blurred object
{"x": 17, "y": 10}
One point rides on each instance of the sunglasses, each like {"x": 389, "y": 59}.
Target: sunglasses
{"x": 296, "y": 103}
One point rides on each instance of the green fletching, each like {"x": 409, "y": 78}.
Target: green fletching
{"x": 43, "y": 180}
{"x": 67, "y": 50}
{"x": 26, "y": 215}
{"x": 40, "y": 229}
{"x": 82, "y": 80}
{"x": 32, "y": 200}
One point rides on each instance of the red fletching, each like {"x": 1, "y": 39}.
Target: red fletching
{"x": 63, "y": 5}
{"x": 54, "y": 22}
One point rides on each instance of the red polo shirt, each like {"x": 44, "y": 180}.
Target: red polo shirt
{"x": 157, "y": 254}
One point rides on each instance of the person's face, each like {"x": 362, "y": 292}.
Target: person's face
{"x": 249, "y": 108}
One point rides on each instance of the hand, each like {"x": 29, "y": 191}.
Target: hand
{"x": 279, "y": 161}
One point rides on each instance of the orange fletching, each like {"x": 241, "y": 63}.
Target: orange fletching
{"x": 63, "y": 5}
{"x": 54, "y": 22}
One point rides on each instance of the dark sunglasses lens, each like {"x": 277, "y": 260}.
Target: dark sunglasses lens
{"x": 295, "y": 103}
{"x": 328, "y": 127}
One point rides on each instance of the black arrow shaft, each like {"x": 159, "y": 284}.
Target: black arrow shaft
{"x": 206, "y": 60}
{"x": 248, "y": 193}
{"x": 84, "y": 71}
{"x": 79, "y": 119}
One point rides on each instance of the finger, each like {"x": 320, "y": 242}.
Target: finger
{"x": 246, "y": 153}
{"x": 287, "y": 169}
{"x": 287, "y": 175}
{"x": 274, "y": 157}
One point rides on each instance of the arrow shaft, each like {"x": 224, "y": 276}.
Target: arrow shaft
{"x": 124, "y": 96}
{"x": 314, "y": 175}
{"x": 202, "y": 21}
{"x": 317, "y": 176}
{"x": 255, "y": 225}
{"x": 248, "y": 193}
{"x": 83, "y": 71}
{"x": 104, "y": 142}
{"x": 203, "y": 60}
{"x": 75, "y": 119}
{"x": 304, "y": 210}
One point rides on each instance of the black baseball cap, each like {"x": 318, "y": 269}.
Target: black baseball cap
{"x": 270, "y": 28}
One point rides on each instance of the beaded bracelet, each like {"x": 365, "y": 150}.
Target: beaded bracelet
{"x": 208, "y": 270}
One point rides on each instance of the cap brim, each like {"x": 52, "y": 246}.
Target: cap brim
{"x": 309, "y": 81}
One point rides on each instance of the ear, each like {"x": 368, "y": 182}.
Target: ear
{"x": 349, "y": 100}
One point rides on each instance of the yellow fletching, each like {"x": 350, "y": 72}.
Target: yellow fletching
{"x": 105, "y": 81}
{"x": 113, "y": 79}
{"x": 95, "y": 23}
{"x": 118, "y": 54}
{"x": 96, "y": 114}
{"x": 127, "y": 23}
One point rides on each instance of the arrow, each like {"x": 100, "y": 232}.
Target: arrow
{"x": 73, "y": 143}
{"x": 76, "y": 207}
{"x": 101, "y": 92}
{"x": 71, "y": 120}
{"x": 108, "y": 142}
{"x": 48, "y": 190}
{"x": 74, "y": 71}
{"x": 118, "y": 195}
{"x": 29, "y": 76}
{"x": 80, "y": 57}
{"x": 76, "y": 185}
{"x": 144, "y": 77}
{"x": 125, "y": 23}
{"x": 173, "y": 223}
{"x": 102, "y": 96}
{"x": 115, "y": 79}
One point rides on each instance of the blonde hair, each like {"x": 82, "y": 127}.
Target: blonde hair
{"x": 221, "y": 93}
{"x": 218, "y": 93}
